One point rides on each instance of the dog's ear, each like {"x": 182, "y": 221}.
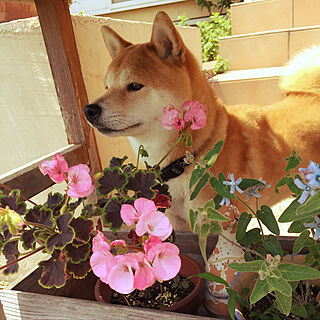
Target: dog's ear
{"x": 166, "y": 39}
{"x": 113, "y": 41}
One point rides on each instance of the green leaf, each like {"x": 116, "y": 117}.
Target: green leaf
{"x": 302, "y": 241}
{"x": 203, "y": 248}
{"x": 209, "y": 204}
{"x": 311, "y": 206}
{"x": 249, "y": 183}
{"x": 280, "y": 284}
{"x": 201, "y": 184}
{"x": 213, "y": 154}
{"x": 267, "y": 218}
{"x": 211, "y": 277}
{"x": 272, "y": 244}
{"x": 251, "y": 266}
{"x": 283, "y": 303}
{"x": 220, "y": 188}
{"x": 289, "y": 214}
{"x": 298, "y": 226}
{"x": 216, "y": 216}
{"x": 215, "y": 228}
{"x": 299, "y": 310}
{"x": 261, "y": 289}
{"x": 243, "y": 222}
{"x": 197, "y": 173}
{"x": 204, "y": 230}
{"x": 293, "y": 162}
{"x": 280, "y": 183}
{"x": 231, "y": 302}
{"x": 252, "y": 236}
{"x": 292, "y": 186}
{"x": 193, "y": 216}
{"x": 295, "y": 272}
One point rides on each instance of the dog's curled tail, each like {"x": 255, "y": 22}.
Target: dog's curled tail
{"x": 303, "y": 72}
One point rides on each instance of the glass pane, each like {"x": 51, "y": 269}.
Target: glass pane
{"x": 31, "y": 124}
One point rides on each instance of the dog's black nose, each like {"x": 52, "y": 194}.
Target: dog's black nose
{"x": 92, "y": 112}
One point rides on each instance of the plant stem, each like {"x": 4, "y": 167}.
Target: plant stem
{"x": 24, "y": 257}
{"x": 242, "y": 247}
{"x": 177, "y": 142}
{"x": 21, "y": 195}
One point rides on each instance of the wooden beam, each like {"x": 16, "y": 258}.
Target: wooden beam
{"x": 57, "y": 30}
{"x": 29, "y": 178}
{"x": 16, "y": 305}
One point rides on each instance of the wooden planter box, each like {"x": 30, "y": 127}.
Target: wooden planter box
{"x": 27, "y": 300}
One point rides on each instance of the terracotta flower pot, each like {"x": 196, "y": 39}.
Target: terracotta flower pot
{"x": 190, "y": 304}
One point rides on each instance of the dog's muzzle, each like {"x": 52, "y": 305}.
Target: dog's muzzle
{"x": 92, "y": 112}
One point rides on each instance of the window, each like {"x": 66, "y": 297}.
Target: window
{"x": 108, "y": 6}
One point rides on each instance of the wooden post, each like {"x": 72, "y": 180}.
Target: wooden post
{"x": 57, "y": 30}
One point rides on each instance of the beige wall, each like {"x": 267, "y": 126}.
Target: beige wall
{"x": 190, "y": 8}
{"x": 95, "y": 60}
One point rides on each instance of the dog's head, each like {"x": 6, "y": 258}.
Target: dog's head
{"x": 141, "y": 80}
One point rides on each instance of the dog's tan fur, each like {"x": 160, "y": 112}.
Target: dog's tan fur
{"x": 256, "y": 139}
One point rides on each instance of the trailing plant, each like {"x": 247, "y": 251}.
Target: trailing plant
{"x": 287, "y": 286}
{"x": 220, "y": 5}
{"x": 211, "y": 30}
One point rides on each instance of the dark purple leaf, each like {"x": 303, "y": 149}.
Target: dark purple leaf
{"x": 13, "y": 202}
{"x": 82, "y": 228}
{"x": 117, "y": 162}
{"x": 142, "y": 182}
{"x": 5, "y": 235}
{"x": 65, "y": 236}
{"x": 55, "y": 202}
{"x": 28, "y": 239}
{"x": 111, "y": 179}
{"x": 77, "y": 254}
{"x": 79, "y": 270}
{"x": 40, "y": 215}
{"x": 53, "y": 273}
{"x": 111, "y": 215}
{"x": 11, "y": 253}
{"x": 13, "y": 268}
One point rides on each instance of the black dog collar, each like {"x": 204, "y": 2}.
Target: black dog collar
{"x": 174, "y": 169}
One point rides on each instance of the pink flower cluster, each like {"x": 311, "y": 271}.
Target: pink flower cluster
{"x": 137, "y": 270}
{"x": 191, "y": 113}
{"x": 77, "y": 177}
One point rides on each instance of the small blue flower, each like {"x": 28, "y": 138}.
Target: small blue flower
{"x": 252, "y": 192}
{"x": 307, "y": 190}
{"x": 314, "y": 225}
{"x": 234, "y": 184}
{"x": 225, "y": 201}
{"x": 314, "y": 175}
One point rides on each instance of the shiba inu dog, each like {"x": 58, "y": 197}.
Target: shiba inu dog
{"x": 144, "y": 78}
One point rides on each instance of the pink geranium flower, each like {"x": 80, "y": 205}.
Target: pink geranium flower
{"x": 121, "y": 276}
{"x": 151, "y": 242}
{"x": 143, "y": 277}
{"x": 79, "y": 181}
{"x": 194, "y": 113}
{"x": 55, "y": 168}
{"x": 166, "y": 261}
{"x": 169, "y": 117}
{"x": 155, "y": 223}
{"x": 101, "y": 260}
{"x": 131, "y": 214}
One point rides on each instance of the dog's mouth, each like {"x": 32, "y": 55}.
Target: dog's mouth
{"x": 109, "y": 131}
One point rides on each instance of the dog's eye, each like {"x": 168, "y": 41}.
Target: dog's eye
{"x": 106, "y": 87}
{"x": 133, "y": 86}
